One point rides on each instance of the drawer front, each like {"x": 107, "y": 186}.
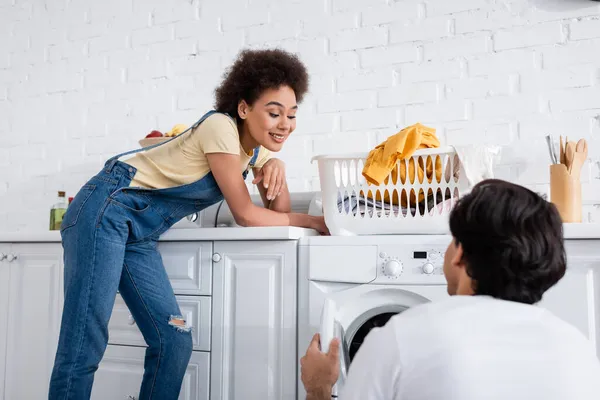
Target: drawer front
{"x": 189, "y": 266}
{"x": 120, "y": 373}
{"x": 196, "y": 310}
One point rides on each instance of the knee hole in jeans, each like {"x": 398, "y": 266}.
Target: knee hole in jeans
{"x": 179, "y": 323}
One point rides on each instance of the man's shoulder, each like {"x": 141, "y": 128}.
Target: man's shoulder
{"x": 451, "y": 311}
{"x": 451, "y": 302}
{"x": 456, "y": 312}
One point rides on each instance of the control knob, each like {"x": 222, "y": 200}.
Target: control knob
{"x": 392, "y": 268}
{"x": 428, "y": 268}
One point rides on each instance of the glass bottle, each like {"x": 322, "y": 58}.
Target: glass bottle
{"x": 58, "y": 211}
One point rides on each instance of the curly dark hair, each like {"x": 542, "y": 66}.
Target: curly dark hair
{"x": 512, "y": 241}
{"x": 255, "y": 71}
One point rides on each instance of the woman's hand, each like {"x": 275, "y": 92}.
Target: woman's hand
{"x": 319, "y": 226}
{"x": 272, "y": 175}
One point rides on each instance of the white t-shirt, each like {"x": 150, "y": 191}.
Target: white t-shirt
{"x": 474, "y": 348}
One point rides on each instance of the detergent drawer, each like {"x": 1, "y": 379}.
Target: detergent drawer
{"x": 335, "y": 263}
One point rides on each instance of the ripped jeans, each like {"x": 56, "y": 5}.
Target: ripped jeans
{"x": 110, "y": 237}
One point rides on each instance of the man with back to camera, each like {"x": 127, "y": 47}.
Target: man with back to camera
{"x": 488, "y": 341}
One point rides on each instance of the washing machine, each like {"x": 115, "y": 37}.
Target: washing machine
{"x": 349, "y": 285}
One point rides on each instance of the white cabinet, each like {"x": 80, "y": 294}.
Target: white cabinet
{"x": 4, "y": 292}
{"x": 572, "y": 299}
{"x": 254, "y": 321}
{"x": 123, "y": 330}
{"x": 119, "y": 375}
{"x": 189, "y": 266}
{"x": 576, "y": 297}
{"x": 242, "y": 307}
{"x": 30, "y": 279}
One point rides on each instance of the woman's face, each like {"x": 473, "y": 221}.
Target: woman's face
{"x": 272, "y": 117}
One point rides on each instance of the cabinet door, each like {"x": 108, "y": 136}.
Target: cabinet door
{"x": 35, "y": 299}
{"x": 119, "y": 375}
{"x": 254, "y": 321}
{"x": 188, "y": 265}
{"x": 574, "y": 299}
{"x": 4, "y": 287}
{"x": 123, "y": 330}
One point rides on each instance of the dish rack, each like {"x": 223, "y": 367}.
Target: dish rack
{"x": 415, "y": 198}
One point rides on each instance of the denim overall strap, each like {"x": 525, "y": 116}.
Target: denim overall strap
{"x": 252, "y": 162}
{"x": 254, "y": 157}
{"x": 111, "y": 162}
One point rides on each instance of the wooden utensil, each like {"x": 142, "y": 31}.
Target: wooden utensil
{"x": 562, "y": 151}
{"x": 569, "y": 155}
{"x": 579, "y": 158}
{"x": 577, "y": 165}
{"x": 582, "y": 147}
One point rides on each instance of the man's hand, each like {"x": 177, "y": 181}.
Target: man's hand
{"x": 272, "y": 175}
{"x": 320, "y": 371}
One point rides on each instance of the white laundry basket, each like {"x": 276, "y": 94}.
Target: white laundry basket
{"x": 402, "y": 204}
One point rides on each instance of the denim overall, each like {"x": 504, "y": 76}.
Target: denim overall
{"x": 109, "y": 235}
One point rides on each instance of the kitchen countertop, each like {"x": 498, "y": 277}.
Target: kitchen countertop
{"x": 193, "y": 234}
{"x": 571, "y": 231}
{"x": 582, "y": 231}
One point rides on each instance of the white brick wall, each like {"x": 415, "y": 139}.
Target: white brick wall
{"x": 83, "y": 80}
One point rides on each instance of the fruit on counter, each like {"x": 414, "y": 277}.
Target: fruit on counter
{"x": 154, "y": 134}
{"x": 176, "y": 130}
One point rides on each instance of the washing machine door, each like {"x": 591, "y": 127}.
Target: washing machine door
{"x": 332, "y": 328}
{"x": 349, "y": 315}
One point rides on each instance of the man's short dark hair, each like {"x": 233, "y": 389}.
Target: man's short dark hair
{"x": 512, "y": 241}
{"x": 255, "y": 71}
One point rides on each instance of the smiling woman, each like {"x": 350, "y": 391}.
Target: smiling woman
{"x": 261, "y": 91}
{"x": 110, "y": 231}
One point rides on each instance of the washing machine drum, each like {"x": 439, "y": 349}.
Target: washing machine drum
{"x": 358, "y": 338}
{"x": 359, "y": 329}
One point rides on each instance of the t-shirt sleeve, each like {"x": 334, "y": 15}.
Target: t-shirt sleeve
{"x": 375, "y": 369}
{"x": 217, "y": 134}
{"x": 264, "y": 155}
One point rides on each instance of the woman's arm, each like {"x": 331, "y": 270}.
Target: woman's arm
{"x": 281, "y": 202}
{"x": 224, "y": 168}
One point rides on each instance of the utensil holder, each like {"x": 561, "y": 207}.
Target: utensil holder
{"x": 565, "y": 193}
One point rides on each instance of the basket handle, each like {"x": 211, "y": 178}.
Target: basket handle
{"x": 354, "y": 156}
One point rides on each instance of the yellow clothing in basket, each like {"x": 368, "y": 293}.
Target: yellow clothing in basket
{"x": 382, "y": 160}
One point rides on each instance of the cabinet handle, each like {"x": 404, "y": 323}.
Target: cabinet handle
{"x": 216, "y": 257}
{"x": 11, "y": 257}
{"x": 130, "y": 320}
{"x": 2, "y": 256}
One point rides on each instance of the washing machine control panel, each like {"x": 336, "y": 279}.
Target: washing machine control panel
{"x": 410, "y": 265}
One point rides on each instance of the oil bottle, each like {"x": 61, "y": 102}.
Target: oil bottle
{"x": 58, "y": 211}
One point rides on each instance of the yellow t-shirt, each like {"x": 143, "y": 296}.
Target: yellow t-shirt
{"x": 183, "y": 160}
